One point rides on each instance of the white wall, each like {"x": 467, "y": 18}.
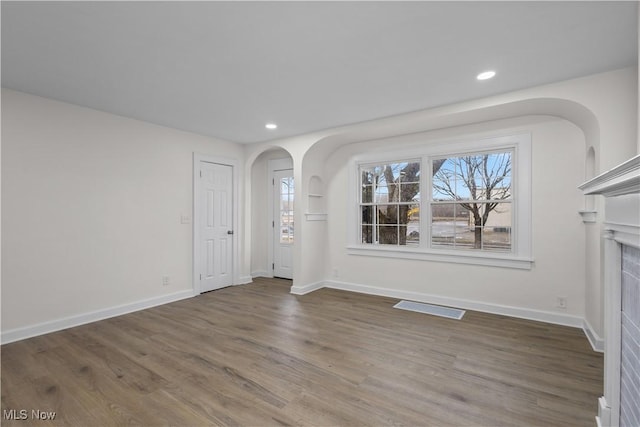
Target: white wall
{"x": 91, "y": 201}
{"x": 91, "y": 206}
{"x": 603, "y": 105}
{"x": 558, "y": 231}
{"x": 313, "y": 261}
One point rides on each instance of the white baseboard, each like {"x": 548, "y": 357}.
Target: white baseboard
{"x": 519, "y": 312}
{"x": 604, "y": 413}
{"x": 93, "y": 316}
{"x": 596, "y": 342}
{"x": 244, "y": 280}
{"x": 305, "y": 289}
{"x": 261, "y": 273}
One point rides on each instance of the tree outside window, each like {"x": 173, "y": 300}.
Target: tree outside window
{"x": 471, "y": 202}
{"x": 390, "y": 203}
{"x": 466, "y": 201}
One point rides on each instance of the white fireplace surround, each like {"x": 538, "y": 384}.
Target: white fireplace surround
{"x": 621, "y": 188}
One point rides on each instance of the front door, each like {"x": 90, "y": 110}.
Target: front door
{"x": 216, "y": 226}
{"x": 283, "y": 227}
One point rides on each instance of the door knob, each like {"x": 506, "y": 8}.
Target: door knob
{"x": 230, "y": 232}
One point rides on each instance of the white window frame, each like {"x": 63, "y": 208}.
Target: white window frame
{"x": 397, "y": 203}
{"x": 520, "y": 256}
{"x": 431, "y": 202}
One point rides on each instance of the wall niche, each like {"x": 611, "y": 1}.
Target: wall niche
{"x": 317, "y": 210}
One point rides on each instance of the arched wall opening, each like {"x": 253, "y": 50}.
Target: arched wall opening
{"x": 317, "y": 159}
{"x": 258, "y": 205}
{"x": 611, "y": 120}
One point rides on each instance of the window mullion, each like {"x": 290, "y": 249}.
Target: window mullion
{"x": 425, "y": 213}
{"x": 374, "y": 230}
{"x": 434, "y": 220}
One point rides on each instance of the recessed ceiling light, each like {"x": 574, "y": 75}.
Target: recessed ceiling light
{"x": 486, "y": 75}
{"x": 271, "y": 126}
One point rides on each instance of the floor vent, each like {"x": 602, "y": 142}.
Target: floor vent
{"x": 436, "y": 310}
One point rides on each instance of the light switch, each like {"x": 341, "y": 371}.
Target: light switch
{"x": 185, "y": 219}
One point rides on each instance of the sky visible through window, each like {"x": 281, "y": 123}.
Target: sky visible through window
{"x": 375, "y": 177}
{"x": 454, "y": 178}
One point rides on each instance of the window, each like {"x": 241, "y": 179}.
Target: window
{"x": 466, "y": 202}
{"x": 390, "y": 203}
{"x": 471, "y": 202}
{"x": 287, "y": 192}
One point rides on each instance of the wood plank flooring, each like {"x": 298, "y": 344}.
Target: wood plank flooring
{"x": 256, "y": 355}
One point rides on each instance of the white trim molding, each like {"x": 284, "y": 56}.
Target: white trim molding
{"x": 623, "y": 179}
{"x": 305, "y": 289}
{"x": 604, "y": 413}
{"x": 261, "y": 273}
{"x": 460, "y": 257}
{"x": 244, "y": 280}
{"x": 89, "y": 317}
{"x": 612, "y": 326}
{"x": 624, "y": 234}
{"x": 588, "y": 216}
{"x": 518, "y": 312}
{"x": 316, "y": 216}
{"x": 597, "y": 343}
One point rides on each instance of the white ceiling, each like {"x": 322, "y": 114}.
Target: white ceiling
{"x": 224, "y": 69}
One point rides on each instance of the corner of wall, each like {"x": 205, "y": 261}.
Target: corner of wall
{"x": 596, "y": 342}
{"x": 55, "y": 325}
{"x": 308, "y": 288}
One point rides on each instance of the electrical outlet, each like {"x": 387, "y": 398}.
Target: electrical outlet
{"x": 562, "y": 302}
{"x": 335, "y": 273}
{"x": 165, "y": 280}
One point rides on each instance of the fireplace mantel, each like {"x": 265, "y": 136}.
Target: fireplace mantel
{"x": 621, "y": 180}
{"x": 621, "y": 188}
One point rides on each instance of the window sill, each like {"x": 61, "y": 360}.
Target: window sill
{"x": 473, "y": 258}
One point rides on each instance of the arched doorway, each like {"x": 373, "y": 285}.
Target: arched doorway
{"x": 272, "y": 214}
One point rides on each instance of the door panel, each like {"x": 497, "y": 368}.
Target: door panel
{"x": 283, "y": 237}
{"x": 285, "y": 257}
{"x": 216, "y": 226}
{"x": 209, "y": 254}
{"x": 224, "y": 256}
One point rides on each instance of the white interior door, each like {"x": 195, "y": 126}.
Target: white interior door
{"x": 216, "y": 226}
{"x": 283, "y": 226}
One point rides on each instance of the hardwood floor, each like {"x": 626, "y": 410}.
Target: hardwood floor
{"x": 257, "y": 355}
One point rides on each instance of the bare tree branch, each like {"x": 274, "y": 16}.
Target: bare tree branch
{"x": 491, "y": 171}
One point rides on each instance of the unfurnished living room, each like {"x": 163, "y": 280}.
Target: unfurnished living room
{"x": 320, "y": 213}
